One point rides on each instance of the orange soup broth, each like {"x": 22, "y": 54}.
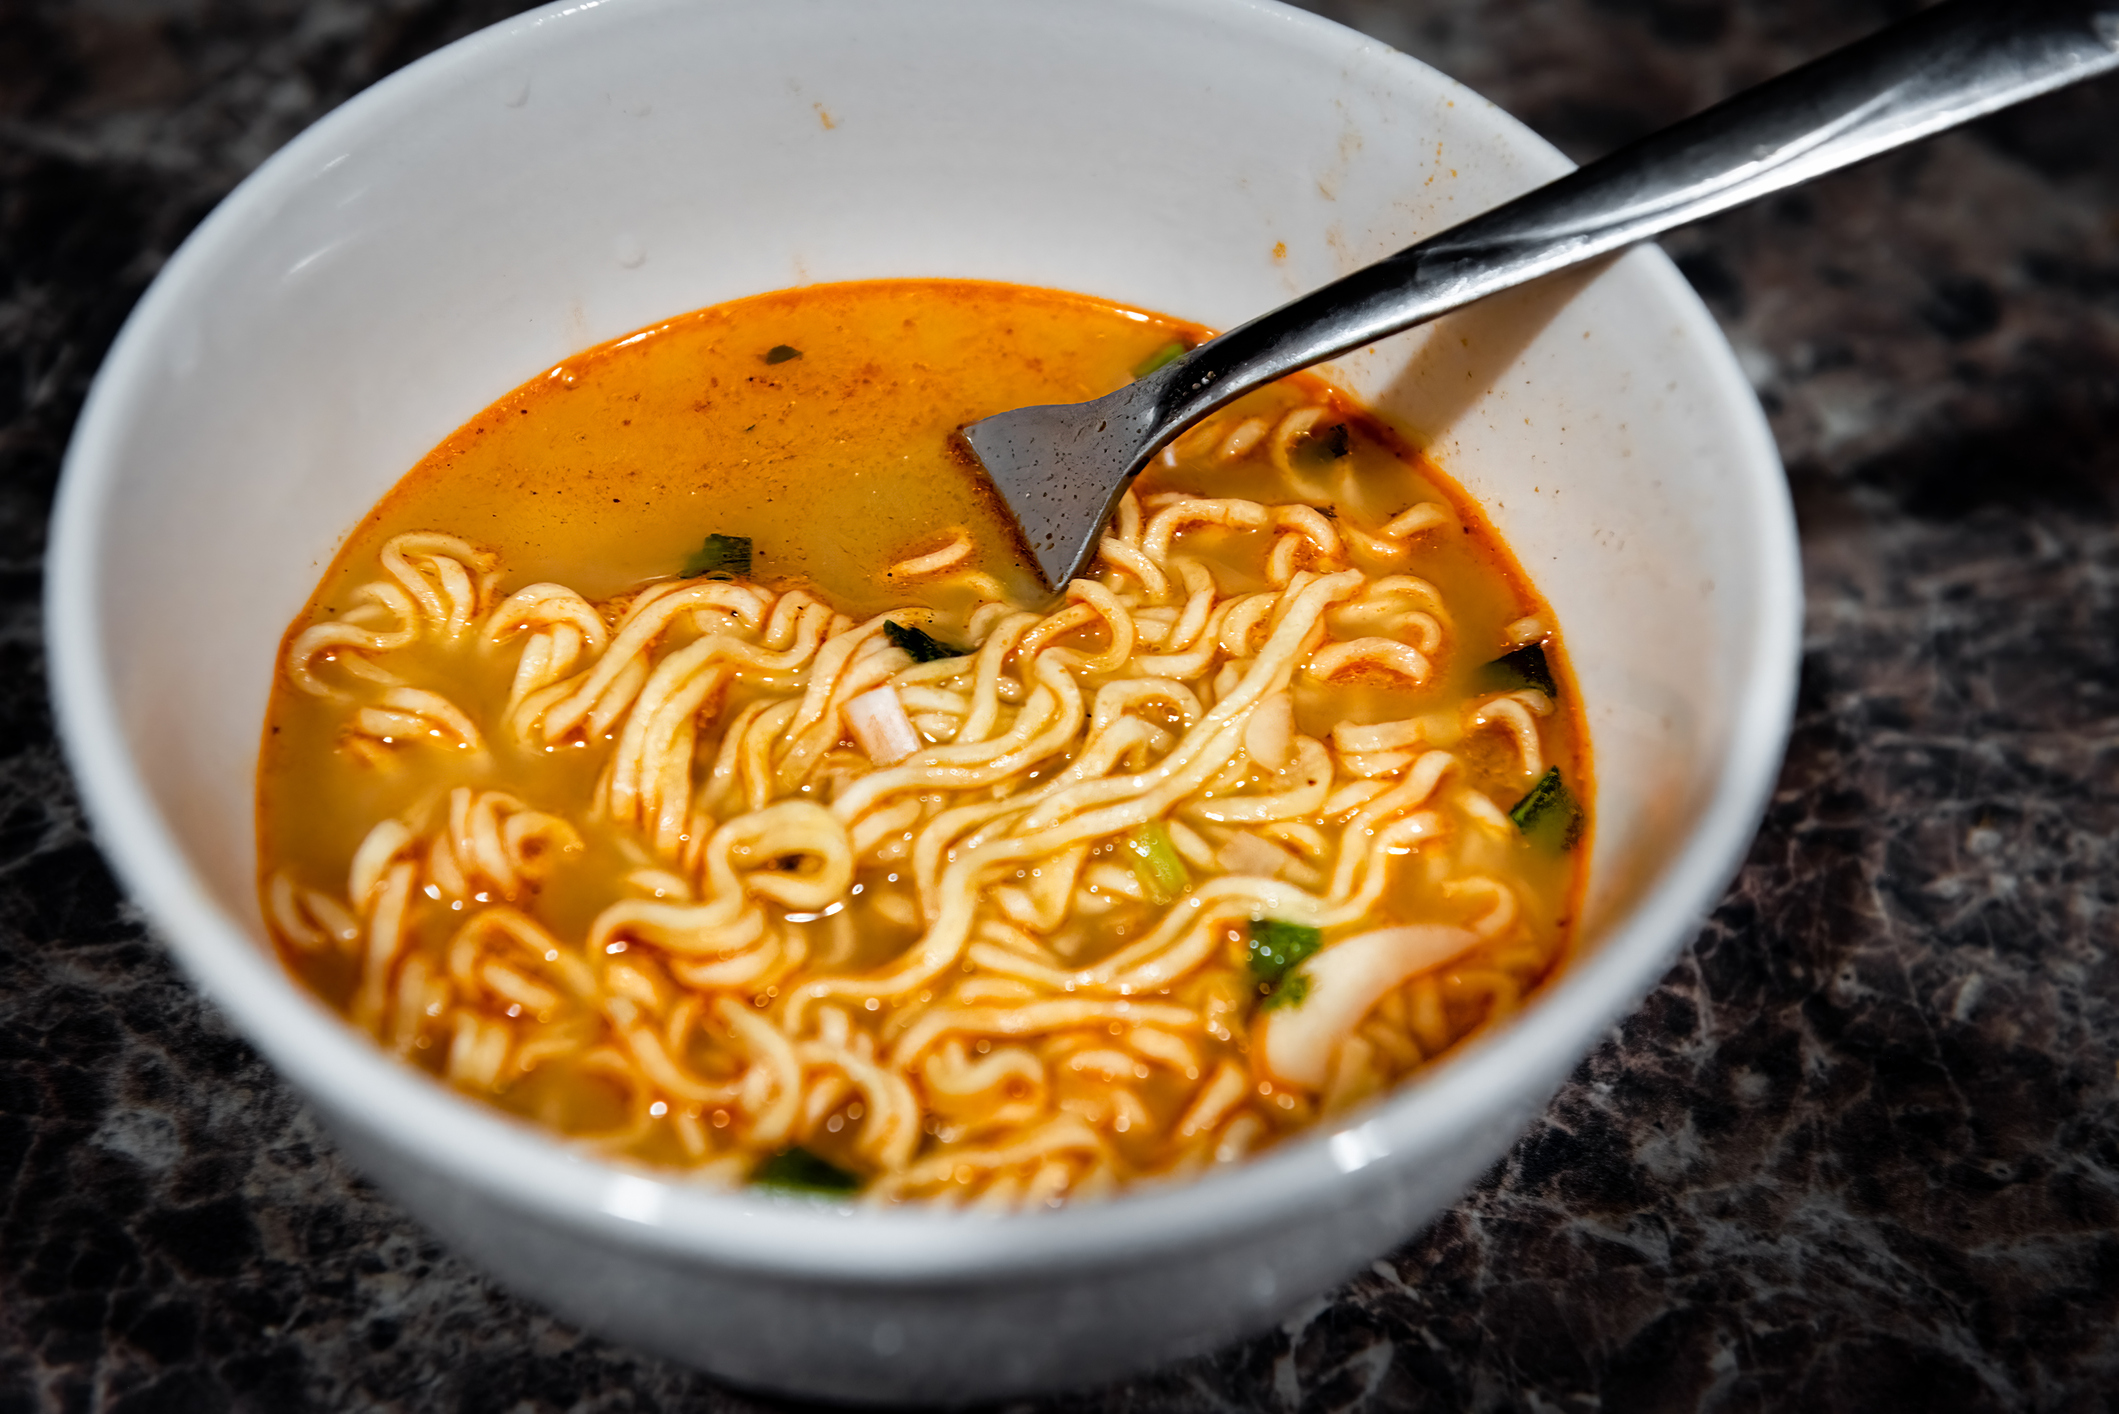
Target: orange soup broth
{"x": 606, "y": 471}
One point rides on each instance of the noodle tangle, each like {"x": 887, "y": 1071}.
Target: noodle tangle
{"x": 805, "y": 889}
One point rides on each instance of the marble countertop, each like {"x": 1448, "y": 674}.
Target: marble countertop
{"x": 1860, "y": 1148}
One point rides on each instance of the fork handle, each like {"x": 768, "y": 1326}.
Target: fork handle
{"x": 1942, "y": 67}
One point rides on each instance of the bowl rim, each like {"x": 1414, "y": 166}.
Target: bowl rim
{"x": 515, "y": 1164}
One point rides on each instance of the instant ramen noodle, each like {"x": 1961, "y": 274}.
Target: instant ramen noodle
{"x": 683, "y": 757}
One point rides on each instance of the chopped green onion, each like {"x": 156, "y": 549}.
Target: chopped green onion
{"x": 1549, "y": 815}
{"x": 781, "y": 353}
{"x": 923, "y": 647}
{"x": 722, "y": 556}
{"x": 1277, "y": 946}
{"x": 1326, "y": 444}
{"x": 1288, "y": 993}
{"x": 799, "y": 1171}
{"x": 1155, "y": 862}
{"x": 1525, "y": 667}
{"x": 1162, "y": 358}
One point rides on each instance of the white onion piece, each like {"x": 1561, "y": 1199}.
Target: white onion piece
{"x": 1346, "y": 979}
{"x": 1248, "y": 854}
{"x": 880, "y": 727}
{"x": 1269, "y": 737}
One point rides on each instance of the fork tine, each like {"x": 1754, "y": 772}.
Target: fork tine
{"x": 1061, "y": 468}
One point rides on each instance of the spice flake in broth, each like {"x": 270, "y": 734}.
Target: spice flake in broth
{"x": 855, "y": 862}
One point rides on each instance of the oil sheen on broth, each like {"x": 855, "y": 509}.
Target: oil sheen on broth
{"x": 681, "y": 757}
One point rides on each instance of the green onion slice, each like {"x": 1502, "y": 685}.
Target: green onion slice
{"x": 1162, "y": 358}
{"x": 781, "y": 353}
{"x": 722, "y": 556}
{"x": 923, "y": 647}
{"x": 799, "y": 1171}
{"x": 1326, "y": 444}
{"x": 1288, "y": 993}
{"x": 1549, "y": 815}
{"x": 1277, "y": 946}
{"x": 1525, "y": 667}
{"x": 1155, "y": 863}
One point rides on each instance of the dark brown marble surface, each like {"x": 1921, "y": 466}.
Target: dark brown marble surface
{"x": 1856, "y": 1152}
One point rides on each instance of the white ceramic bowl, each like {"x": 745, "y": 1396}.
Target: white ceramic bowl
{"x": 591, "y": 167}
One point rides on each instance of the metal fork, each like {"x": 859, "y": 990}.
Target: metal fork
{"x": 1061, "y": 469}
